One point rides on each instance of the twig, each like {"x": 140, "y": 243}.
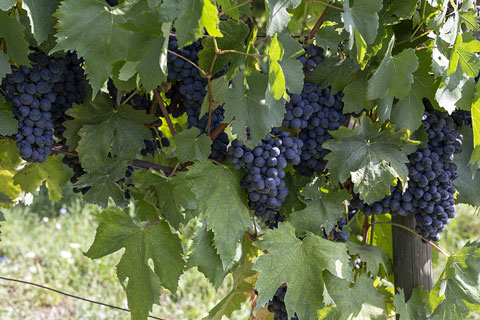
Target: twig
{"x": 419, "y": 235}
{"x": 233, "y": 8}
{"x": 318, "y": 24}
{"x": 71, "y": 295}
{"x": 261, "y": 40}
{"x": 218, "y": 130}
{"x": 164, "y": 111}
{"x": 188, "y": 60}
{"x": 174, "y": 170}
{"x": 416, "y": 38}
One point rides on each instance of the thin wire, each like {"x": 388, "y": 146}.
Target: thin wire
{"x": 71, "y": 295}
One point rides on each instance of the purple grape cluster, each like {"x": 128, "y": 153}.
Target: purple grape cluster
{"x": 277, "y": 305}
{"x": 264, "y": 172}
{"x": 316, "y": 112}
{"x": 312, "y": 57}
{"x": 189, "y": 91}
{"x": 70, "y": 89}
{"x": 30, "y": 91}
{"x": 430, "y": 193}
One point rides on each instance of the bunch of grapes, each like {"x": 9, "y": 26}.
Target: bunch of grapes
{"x": 462, "y": 118}
{"x": 30, "y": 91}
{"x": 70, "y": 89}
{"x": 432, "y": 173}
{"x": 430, "y": 193}
{"x": 315, "y": 111}
{"x": 189, "y": 92}
{"x": 277, "y": 305}
{"x": 264, "y": 172}
{"x": 312, "y": 57}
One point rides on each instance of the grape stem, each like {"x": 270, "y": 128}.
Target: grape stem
{"x": 366, "y": 226}
{"x": 70, "y": 295}
{"x": 372, "y": 230}
{"x": 233, "y": 8}
{"x": 189, "y": 61}
{"x": 419, "y": 235}
{"x": 164, "y": 111}
{"x": 318, "y": 24}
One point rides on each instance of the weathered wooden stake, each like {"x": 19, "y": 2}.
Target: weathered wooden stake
{"x": 412, "y": 259}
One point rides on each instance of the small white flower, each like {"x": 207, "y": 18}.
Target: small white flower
{"x": 58, "y": 226}
{"x": 65, "y": 254}
{"x": 75, "y": 245}
{"x": 30, "y": 254}
{"x": 45, "y": 219}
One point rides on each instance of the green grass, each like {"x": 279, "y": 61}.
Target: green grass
{"x": 45, "y": 247}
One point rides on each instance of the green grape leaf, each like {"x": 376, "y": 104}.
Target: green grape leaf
{"x": 229, "y": 7}
{"x": 355, "y": 96}
{"x": 115, "y": 231}
{"x": 382, "y": 235}
{"x": 171, "y": 9}
{"x": 192, "y": 146}
{"x": 173, "y": 196}
{"x": 8, "y": 123}
{"x": 9, "y": 157}
{"x": 4, "y": 65}
{"x": 276, "y": 77}
{"x": 398, "y": 10}
{"x": 335, "y": 73}
{"x": 204, "y": 256}
{"x": 464, "y": 55}
{"x": 290, "y": 65}
{"x": 414, "y": 309}
{"x": 384, "y": 108}
{"x": 5, "y": 5}
{"x": 109, "y": 130}
{"x": 242, "y": 288}
{"x": 39, "y": 13}
{"x": 394, "y": 75}
{"x": 299, "y": 264}
{"x": 224, "y": 204}
{"x": 329, "y": 37}
{"x": 234, "y": 35}
{"x": 373, "y": 256}
{"x": 8, "y": 190}
{"x": 407, "y": 113}
{"x": 457, "y": 286}
{"x": 324, "y": 206}
{"x": 92, "y": 29}
{"x": 246, "y": 102}
{"x": 103, "y": 184}
{"x": 372, "y": 155}
{"x": 362, "y": 301}
{"x": 470, "y": 20}
{"x": 278, "y": 16}
{"x": 51, "y": 171}
{"x": 197, "y": 16}
{"x": 467, "y": 185}
{"x": 219, "y": 87}
{"x": 363, "y": 17}
{"x": 456, "y": 92}
{"x": 148, "y": 48}
{"x": 13, "y": 32}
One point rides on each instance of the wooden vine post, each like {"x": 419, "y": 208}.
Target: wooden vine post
{"x": 412, "y": 259}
